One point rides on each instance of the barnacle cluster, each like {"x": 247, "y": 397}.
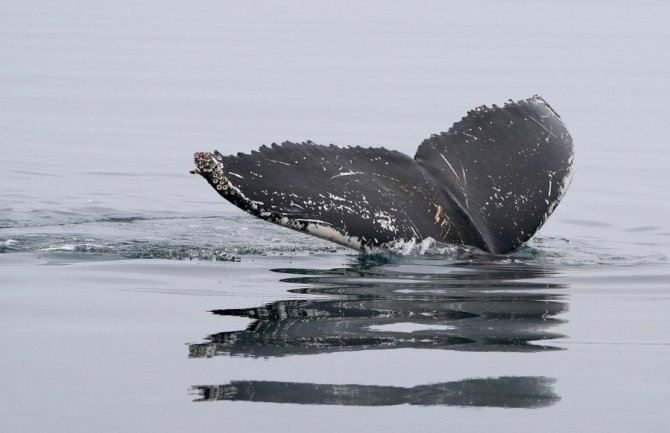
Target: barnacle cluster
{"x": 210, "y": 166}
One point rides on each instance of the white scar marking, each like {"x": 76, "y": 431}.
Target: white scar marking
{"x": 438, "y": 214}
{"x": 465, "y": 187}
{"x": 543, "y": 127}
{"x": 463, "y": 181}
{"x": 280, "y": 162}
{"x": 235, "y": 174}
{"x": 314, "y": 221}
{"x": 452, "y": 168}
{"x": 347, "y": 173}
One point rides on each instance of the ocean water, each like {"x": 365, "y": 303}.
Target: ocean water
{"x": 133, "y": 298}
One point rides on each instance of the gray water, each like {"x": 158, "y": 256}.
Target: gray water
{"x": 132, "y": 298}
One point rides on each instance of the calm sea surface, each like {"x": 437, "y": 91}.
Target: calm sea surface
{"x": 133, "y": 298}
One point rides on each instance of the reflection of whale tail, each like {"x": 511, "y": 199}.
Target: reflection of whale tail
{"x": 519, "y": 392}
{"x": 490, "y": 181}
{"x": 300, "y": 327}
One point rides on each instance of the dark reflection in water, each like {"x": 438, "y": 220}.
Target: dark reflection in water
{"x": 475, "y": 307}
{"x": 519, "y": 392}
{"x": 383, "y": 302}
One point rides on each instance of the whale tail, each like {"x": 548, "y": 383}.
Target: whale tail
{"x": 490, "y": 181}
{"x": 506, "y": 168}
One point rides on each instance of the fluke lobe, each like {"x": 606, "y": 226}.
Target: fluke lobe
{"x": 490, "y": 181}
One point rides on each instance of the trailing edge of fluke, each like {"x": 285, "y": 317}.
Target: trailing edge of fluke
{"x": 490, "y": 181}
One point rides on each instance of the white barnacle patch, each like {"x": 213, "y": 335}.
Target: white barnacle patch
{"x": 562, "y": 187}
{"x": 210, "y": 167}
{"x": 386, "y": 221}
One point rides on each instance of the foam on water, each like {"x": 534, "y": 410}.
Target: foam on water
{"x": 230, "y": 237}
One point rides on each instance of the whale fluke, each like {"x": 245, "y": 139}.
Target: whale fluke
{"x": 490, "y": 181}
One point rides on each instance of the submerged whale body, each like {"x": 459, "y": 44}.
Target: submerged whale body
{"x": 490, "y": 181}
